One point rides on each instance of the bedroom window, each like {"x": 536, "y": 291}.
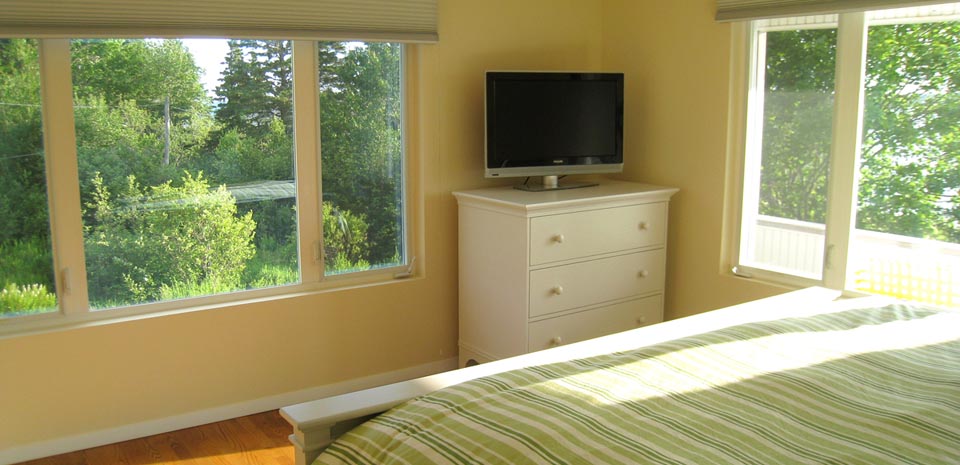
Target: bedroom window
{"x": 361, "y": 145}
{"x": 851, "y": 164}
{"x": 186, "y": 167}
{"x": 202, "y": 171}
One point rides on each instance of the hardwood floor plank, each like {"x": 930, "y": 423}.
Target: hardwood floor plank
{"x": 252, "y": 440}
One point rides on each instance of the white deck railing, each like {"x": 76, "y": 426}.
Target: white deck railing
{"x": 904, "y": 267}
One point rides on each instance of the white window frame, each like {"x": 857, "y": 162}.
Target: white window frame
{"x": 66, "y": 224}
{"x": 746, "y": 128}
{"x": 745, "y": 121}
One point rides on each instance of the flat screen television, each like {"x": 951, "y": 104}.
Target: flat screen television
{"x": 553, "y": 124}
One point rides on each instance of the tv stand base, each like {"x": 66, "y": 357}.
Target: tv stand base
{"x": 551, "y": 183}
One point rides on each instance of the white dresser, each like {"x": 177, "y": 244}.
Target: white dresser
{"x": 541, "y": 269}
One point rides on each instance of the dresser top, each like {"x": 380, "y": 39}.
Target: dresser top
{"x": 606, "y": 191}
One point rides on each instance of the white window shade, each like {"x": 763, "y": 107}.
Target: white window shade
{"x": 383, "y": 20}
{"x": 736, "y": 10}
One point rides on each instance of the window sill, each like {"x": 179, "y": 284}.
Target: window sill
{"x": 771, "y": 277}
{"x": 785, "y": 281}
{"x": 28, "y": 325}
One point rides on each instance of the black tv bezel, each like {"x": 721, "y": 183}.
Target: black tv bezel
{"x": 492, "y": 77}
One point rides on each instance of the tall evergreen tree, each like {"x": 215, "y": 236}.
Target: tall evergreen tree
{"x": 257, "y": 86}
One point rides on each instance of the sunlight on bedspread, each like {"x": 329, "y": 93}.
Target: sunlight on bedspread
{"x": 861, "y": 386}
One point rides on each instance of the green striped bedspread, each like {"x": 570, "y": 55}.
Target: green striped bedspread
{"x": 863, "y": 386}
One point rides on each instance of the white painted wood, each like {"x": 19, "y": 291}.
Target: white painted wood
{"x": 584, "y": 325}
{"x": 307, "y": 159}
{"x": 316, "y": 421}
{"x": 607, "y": 194}
{"x": 493, "y": 283}
{"x": 845, "y": 149}
{"x": 586, "y": 283}
{"x": 525, "y": 255}
{"x": 63, "y": 179}
{"x": 573, "y": 235}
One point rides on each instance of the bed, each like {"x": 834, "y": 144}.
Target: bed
{"x": 799, "y": 378}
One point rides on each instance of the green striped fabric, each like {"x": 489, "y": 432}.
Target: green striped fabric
{"x": 866, "y": 386}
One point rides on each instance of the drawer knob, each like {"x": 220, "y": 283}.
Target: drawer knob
{"x": 642, "y": 225}
{"x": 557, "y": 290}
{"x": 556, "y": 341}
{"x": 558, "y": 238}
{"x": 642, "y": 321}
{"x": 643, "y": 273}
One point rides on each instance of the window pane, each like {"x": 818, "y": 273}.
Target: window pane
{"x": 26, "y": 263}
{"x": 185, "y": 154}
{"x": 907, "y": 242}
{"x": 362, "y": 155}
{"x": 785, "y": 179}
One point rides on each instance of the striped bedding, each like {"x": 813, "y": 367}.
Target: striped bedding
{"x": 861, "y": 386}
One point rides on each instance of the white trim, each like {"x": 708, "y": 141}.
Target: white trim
{"x": 740, "y": 56}
{"x": 753, "y": 140}
{"x": 306, "y": 135}
{"x": 201, "y": 417}
{"x": 845, "y": 148}
{"x": 63, "y": 179}
{"x": 52, "y": 322}
{"x": 743, "y": 152}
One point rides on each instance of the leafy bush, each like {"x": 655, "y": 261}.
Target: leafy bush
{"x": 342, "y": 264}
{"x": 165, "y": 237}
{"x": 180, "y": 290}
{"x": 30, "y": 298}
{"x": 239, "y": 157}
{"x": 344, "y": 239}
{"x": 267, "y": 275}
{"x": 26, "y": 261}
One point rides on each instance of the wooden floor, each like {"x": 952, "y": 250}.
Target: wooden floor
{"x": 253, "y": 440}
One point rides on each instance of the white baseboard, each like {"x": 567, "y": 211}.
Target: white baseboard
{"x": 201, "y": 417}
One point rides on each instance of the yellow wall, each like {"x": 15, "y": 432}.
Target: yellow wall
{"x": 676, "y": 62}
{"x": 72, "y": 382}
{"x": 675, "y": 58}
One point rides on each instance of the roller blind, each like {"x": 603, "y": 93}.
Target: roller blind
{"x": 396, "y": 20}
{"x": 735, "y": 10}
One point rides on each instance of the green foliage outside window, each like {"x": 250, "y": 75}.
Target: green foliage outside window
{"x": 165, "y": 237}
{"x": 910, "y": 161}
{"x": 141, "y": 248}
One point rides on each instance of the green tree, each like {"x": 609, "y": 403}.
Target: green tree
{"x": 23, "y": 196}
{"x": 162, "y": 237}
{"x": 116, "y": 141}
{"x": 26, "y": 265}
{"x": 254, "y": 145}
{"x": 121, "y": 88}
{"x": 144, "y": 71}
{"x": 242, "y": 160}
{"x": 911, "y": 155}
{"x": 257, "y": 86}
{"x": 361, "y": 142}
{"x": 240, "y": 157}
{"x": 910, "y": 164}
{"x": 798, "y": 109}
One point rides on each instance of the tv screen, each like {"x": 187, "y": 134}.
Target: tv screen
{"x": 553, "y": 123}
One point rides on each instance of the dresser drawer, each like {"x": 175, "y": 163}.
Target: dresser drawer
{"x": 581, "y": 326}
{"x": 581, "y": 234}
{"x": 594, "y": 281}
